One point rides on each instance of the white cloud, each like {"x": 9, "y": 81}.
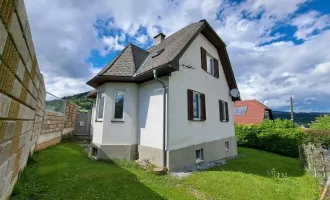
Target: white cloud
{"x": 310, "y": 22}
{"x": 270, "y": 73}
{"x": 142, "y": 39}
{"x": 112, "y": 43}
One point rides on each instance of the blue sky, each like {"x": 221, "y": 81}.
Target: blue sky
{"x": 278, "y": 48}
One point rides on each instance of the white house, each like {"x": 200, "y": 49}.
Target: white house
{"x": 128, "y": 115}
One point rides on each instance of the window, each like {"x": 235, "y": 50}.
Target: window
{"x": 223, "y": 109}
{"x": 196, "y": 106}
{"x": 199, "y": 155}
{"x": 267, "y": 115}
{"x": 100, "y": 106}
{"x": 240, "y": 110}
{"x": 94, "y": 152}
{"x": 119, "y": 106}
{"x": 227, "y": 145}
{"x": 210, "y": 64}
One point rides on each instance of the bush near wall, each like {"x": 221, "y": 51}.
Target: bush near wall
{"x": 319, "y": 133}
{"x": 278, "y": 136}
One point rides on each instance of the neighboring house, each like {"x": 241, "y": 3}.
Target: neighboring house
{"x": 128, "y": 116}
{"x": 251, "y": 112}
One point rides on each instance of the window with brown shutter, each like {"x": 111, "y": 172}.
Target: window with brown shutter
{"x": 190, "y": 105}
{"x": 203, "y": 108}
{"x": 227, "y": 112}
{"x": 216, "y": 68}
{"x": 196, "y": 106}
{"x": 223, "y": 110}
{"x": 209, "y": 63}
{"x": 203, "y": 59}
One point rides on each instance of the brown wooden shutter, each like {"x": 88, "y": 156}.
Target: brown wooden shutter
{"x": 190, "y": 105}
{"x": 203, "y": 58}
{"x": 216, "y": 68}
{"x": 203, "y": 108}
{"x": 227, "y": 113}
{"x": 221, "y": 110}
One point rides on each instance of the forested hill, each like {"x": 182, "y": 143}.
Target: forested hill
{"x": 81, "y": 100}
{"x": 299, "y": 118}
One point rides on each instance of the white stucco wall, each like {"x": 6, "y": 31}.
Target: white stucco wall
{"x": 150, "y": 113}
{"x": 182, "y": 132}
{"x": 111, "y": 132}
{"x": 97, "y": 127}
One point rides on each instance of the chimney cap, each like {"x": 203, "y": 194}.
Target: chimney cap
{"x": 160, "y": 34}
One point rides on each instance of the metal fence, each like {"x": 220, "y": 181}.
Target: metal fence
{"x": 54, "y": 103}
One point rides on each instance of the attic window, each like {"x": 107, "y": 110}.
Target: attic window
{"x": 158, "y": 53}
{"x": 240, "y": 110}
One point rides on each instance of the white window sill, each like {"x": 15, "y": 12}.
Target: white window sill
{"x": 199, "y": 161}
{"x": 117, "y": 120}
{"x": 226, "y": 149}
{"x": 99, "y": 120}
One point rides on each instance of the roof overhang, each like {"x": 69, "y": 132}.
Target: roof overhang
{"x": 144, "y": 77}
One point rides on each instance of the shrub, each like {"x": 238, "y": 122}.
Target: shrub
{"x": 317, "y": 137}
{"x": 321, "y": 123}
{"x": 279, "y": 136}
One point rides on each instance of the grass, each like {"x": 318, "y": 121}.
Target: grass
{"x": 65, "y": 172}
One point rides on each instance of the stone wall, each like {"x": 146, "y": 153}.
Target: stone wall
{"x": 22, "y": 93}
{"x": 55, "y": 125}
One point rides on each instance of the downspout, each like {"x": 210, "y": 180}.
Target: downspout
{"x": 164, "y": 116}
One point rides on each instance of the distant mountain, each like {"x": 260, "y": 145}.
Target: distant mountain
{"x": 81, "y": 100}
{"x": 299, "y": 118}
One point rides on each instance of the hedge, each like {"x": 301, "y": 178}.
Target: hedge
{"x": 278, "y": 136}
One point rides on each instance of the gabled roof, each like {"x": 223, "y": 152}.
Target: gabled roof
{"x": 134, "y": 64}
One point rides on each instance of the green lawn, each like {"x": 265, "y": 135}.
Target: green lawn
{"x": 65, "y": 172}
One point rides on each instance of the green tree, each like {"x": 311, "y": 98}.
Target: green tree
{"x": 321, "y": 123}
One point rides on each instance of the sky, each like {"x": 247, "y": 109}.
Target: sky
{"x": 277, "y": 48}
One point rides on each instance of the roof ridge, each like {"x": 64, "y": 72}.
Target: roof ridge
{"x": 166, "y": 38}
{"x": 138, "y": 47}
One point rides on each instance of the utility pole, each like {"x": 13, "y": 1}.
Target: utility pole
{"x": 291, "y": 108}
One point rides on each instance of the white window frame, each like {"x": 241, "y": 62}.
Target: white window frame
{"x": 98, "y": 106}
{"x": 114, "y": 106}
{"x": 199, "y": 101}
{"x": 227, "y": 146}
{"x": 268, "y": 114}
{"x": 199, "y": 152}
{"x": 210, "y": 66}
{"x": 224, "y": 114}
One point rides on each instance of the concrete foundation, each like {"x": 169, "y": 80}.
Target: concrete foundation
{"x": 176, "y": 159}
{"x": 106, "y": 152}
{"x": 214, "y": 150}
{"x": 154, "y": 155}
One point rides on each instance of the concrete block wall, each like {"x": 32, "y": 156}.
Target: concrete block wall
{"x": 70, "y": 114}
{"x": 22, "y": 94}
{"x": 55, "y": 125}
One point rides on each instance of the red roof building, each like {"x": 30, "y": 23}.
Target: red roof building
{"x": 251, "y": 112}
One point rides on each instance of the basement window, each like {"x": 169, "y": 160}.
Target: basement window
{"x": 94, "y": 152}
{"x": 199, "y": 155}
{"x": 227, "y": 145}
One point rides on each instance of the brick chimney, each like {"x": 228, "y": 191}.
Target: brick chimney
{"x": 159, "y": 38}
